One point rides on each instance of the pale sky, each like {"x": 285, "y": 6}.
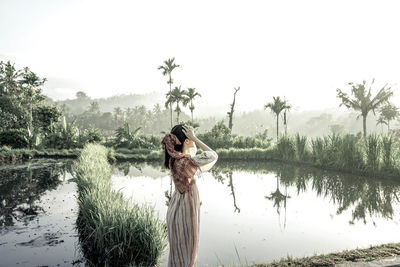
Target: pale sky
{"x": 302, "y": 50}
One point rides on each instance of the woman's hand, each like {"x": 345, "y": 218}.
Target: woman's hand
{"x": 189, "y": 132}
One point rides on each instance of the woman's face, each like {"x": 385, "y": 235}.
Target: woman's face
{"x": 190, "y": 147}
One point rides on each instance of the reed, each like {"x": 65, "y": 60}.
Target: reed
{"x": 372, "y": 151}
{"x": 301, "y": 147}
{"x": 351, "y": 156}
{"x": 286, "y": 148}
{"x": 113, "y": 230}
{"x": 387, "y": 152}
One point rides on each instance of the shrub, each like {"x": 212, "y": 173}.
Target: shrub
{"x": 15, "y": 138}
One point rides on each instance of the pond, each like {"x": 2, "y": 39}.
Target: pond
{"x": 259, "y": 212}
{"x": 38, "y": 210}
{"x": 250, "y": 211}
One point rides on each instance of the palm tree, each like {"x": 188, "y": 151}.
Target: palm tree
{"x": 277, "y": 106}
{"x": 167, "y": 68}
{"x": 177, "y": 95}
{"x": 279, "y": 198}
{"x": 389, "y": 112}
{"x": 191, "y": 94}
{"x": 363, "y": 101}
{"x": 381, "y": 121}
{"x": 9, "y": 78}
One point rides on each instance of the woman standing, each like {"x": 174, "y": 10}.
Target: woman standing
{"x": 183, "y": 215}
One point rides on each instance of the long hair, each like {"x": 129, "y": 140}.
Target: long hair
{"x": 176, "y": 130}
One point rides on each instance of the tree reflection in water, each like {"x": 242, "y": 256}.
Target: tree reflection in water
{"x": 22, "y": 185}
{"x": 365, "y": 197}
{"x": 221, "y": 175}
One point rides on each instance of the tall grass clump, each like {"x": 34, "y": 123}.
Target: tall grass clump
{"x": 387, "y": 152}
{"x": 112, "y": 230}
{"x": 301, "y": 147}
{"x": 286, "y": 148}
{"x": 372, "y": 151}
{"x": 318, "y": 150}
{"x": 350, "y": 153}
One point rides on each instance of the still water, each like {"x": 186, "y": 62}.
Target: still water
{"x": 259, "y": 212}
{"x": 250, "y": 212}
{"x": 38, "y": 210}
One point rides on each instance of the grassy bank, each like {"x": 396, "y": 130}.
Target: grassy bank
{"x": 112, "y": 230}
{"x": 375, "y": 156}
{"x": 356, "y": 255}
{"x": 8, "y": 155}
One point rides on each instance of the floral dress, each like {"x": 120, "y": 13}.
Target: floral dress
{"x": 183, "y": 214}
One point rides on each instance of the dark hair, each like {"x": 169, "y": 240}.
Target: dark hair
{"x": 176, "y": 130}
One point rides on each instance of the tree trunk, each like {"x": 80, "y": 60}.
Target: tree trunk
{"x": 365, "y": 125}
{"x": 277, "y": 127}
{"x": 191, "y": 110}
{"x": 170, "y": 104}
{"x": 177, "y": 113}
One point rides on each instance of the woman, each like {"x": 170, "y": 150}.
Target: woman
{"x": 183, "y": 215}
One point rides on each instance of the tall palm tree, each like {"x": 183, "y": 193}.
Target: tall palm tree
{"x": 363, "y": 101}
{"x": 178, "y": 96}
{"x": 277, "y": 106}
{"x": 191, "y": 94}
{"x": 167, "y": 68}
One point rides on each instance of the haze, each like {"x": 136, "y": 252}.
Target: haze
{"x": 301, "y": 50}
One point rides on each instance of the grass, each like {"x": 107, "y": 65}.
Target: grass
{"x": 374, "y": 156}
{"x": 356, "y": 255}
{"x": 12, "y": 155}
{"x": 112, "y": 230}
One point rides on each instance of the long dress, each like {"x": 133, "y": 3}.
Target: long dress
{"x": 183, "y": 215}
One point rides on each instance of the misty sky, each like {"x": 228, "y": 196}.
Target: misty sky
{"x": 302, "y": 50}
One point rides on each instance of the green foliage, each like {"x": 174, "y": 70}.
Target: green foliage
{"x": 89, "y": 136}
{"x": 286, "y": 148}
{"x": 387, "y": 151}
{"x": 63, "y": 135}
{"x": 220, "y": 137}
{"x": 372, "y": 151}
{"x": 362, "y": 100}
{"x": 15, "y": 138}
{"x": 44, "y": 117}
{"x": 301, "y": 147}
{"x": 5, "y": 149}
{"x": 111, "y": 229}
{"x": 351, "y": 155}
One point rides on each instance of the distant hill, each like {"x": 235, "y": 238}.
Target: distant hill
{"x": 78, "y": 105}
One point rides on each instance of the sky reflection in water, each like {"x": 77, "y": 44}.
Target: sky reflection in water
{"x": 270, "y": 210}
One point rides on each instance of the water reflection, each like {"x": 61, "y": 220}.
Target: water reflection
{"x": 365, "y": 197}
{"x": 37, "y": 214}
{"x": 226, "y": 174}
{"x": 22, "y": 185}
{"x": 268, "y": 210}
